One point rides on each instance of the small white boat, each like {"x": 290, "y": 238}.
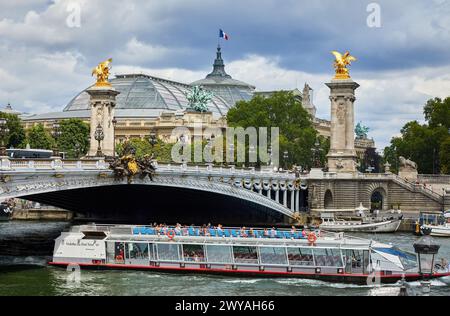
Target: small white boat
{"x": 386, "y": 223}
{"x": 389, "y": 226}
{"x": 437, "y": 225}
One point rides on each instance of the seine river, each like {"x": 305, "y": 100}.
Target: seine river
{"x": 25, "y": 248}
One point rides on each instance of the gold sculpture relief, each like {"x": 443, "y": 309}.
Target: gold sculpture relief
{"x": 102, "y": 73}
{"x": 341, "y": 65}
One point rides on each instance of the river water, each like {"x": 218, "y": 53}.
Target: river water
{"x": 25, "y": 247}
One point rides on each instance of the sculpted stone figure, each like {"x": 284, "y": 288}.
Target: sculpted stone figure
{"x": 407, "y": 164}
{"x": 341, "y": 63}
{"x": 102, "y": 73}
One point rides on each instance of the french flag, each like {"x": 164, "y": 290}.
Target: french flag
{"x": 224, "y": 35}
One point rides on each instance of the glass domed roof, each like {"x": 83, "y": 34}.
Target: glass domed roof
{"x": 223, "y": 85}
{"x": 142, "y": 92}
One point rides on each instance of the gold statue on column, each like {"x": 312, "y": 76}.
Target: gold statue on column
{"x": 102, "y": 73}
{"x": 341, "y": 63}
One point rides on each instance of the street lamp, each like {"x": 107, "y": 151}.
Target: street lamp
{"x": 251, "y": 152}
{"x": 114, "y": 123}
{"x": 153, "y": 139}
{"x": 183, "y": 144}
{"x": 209, "y": 157}
{"x": 286, "y": 157}
{"x": 316, "y": 150}
{"x": 56, "y": 133}
{"x": 4, "y": 130}
{"x": 231, "y": 153}
{"x": 269, "y": 150}
{"x": 99, "y": 136}
{"x": 426, "y": 249}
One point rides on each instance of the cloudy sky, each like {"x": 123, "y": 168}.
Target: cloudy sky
{"x": 275, "y": 44}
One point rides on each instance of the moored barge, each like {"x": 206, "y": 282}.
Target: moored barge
{"x": 317, "y": 255}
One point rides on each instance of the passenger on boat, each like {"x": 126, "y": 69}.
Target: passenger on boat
{"x": 273, "y": 232}
{"x": 293, "y": 231}
{"x": 266, "y": 233}
{"x": 243, "y": 232}
{"x": 251, "y": 233}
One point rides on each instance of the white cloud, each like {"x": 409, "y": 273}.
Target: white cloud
{"x": 45, "y": 63}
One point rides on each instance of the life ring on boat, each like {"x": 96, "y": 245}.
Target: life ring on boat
{"x": 312, "y": 238}
{"x": 171, "y": 234}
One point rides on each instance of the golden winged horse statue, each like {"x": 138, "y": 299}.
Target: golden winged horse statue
{"x": 341, "y": 63}
{"x": 102, "y": 73}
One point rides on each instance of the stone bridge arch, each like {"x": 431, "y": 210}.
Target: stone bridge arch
{"x": 377, "y": 196}
{"x": 247, "y": 186}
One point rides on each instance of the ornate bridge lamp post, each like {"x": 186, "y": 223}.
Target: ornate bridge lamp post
{"x": 183, "y": 141}
{"x": 426, "y": 249}
{"x": 231, "y": 153}
{"x": 99, "y": 137}
{"x": 269, "y": 151}
{"x": 153, "y": 139}
{"x": 56, "y": 133}
{"x": 316, "y": 150}
{"x": 209, "y": 147}
{"x": 252, "y": 151}
{"x": 4, "y": 130}
{"x": 285, "y": 158}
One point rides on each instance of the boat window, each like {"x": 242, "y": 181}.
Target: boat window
{"x": 136, "y": 250}
{"x": 354, "y": 260}
{"x": 219, "y": 254}
{"x": 328, "y": 257}
{"x": 300, "y": 257}
{"x": 193, "y": 253}
{"x": 119, "y": 252}
{"x": 273, "y": 255}
{"x": 243, "y": 254}
{"x": 168, "y": 252}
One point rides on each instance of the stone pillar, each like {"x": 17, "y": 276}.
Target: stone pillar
{"x": 285, "y": 193}
{"x": 342, "y": 155}
{"x": 102, "y": 103}
{"x": 297, "y": 200}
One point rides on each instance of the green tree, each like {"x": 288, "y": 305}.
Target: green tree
{"x": 445, "y": 156}
{"x": 283, "y": 110}
{"x": 426, "y": 144}
{"x": 74, "y": 138}
{"x": 437, "y": 113}
{"x": 161, "y": 151}
{"x": 39, "y": 138}
{"x": 16, "y": 136}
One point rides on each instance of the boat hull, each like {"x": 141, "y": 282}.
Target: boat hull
{"x": 437, "y": 231}
{"x": 359, "y": 279}
{"x": 382, "y": 227}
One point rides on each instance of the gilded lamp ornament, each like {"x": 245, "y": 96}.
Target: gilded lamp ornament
{"x": 341, "y": 64}
{"x": 102, "y": 73}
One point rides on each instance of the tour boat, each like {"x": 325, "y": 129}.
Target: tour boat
{"x": 275, "y": 253}
{"x": 437, "y": 225}
{"x": 380, "y": 223}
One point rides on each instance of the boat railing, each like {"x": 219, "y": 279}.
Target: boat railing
{"x": 197, "y": 231}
